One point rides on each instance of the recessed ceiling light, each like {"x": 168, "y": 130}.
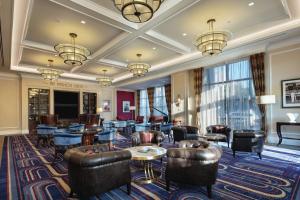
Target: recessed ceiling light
{"x": 251, "y": 4}
{"x": 55, "y": 55}
{"x": 82, "y": 21}
{"x": 184, "y": 34}
{"x": 154, "y": 48}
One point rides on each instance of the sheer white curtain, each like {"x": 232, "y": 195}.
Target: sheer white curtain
{"x": 228, "y": 97}
{"x": 144, "y": 105}
{"x": 160, "y": 101}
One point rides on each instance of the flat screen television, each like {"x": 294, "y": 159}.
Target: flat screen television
{"x": 66, "y": 104}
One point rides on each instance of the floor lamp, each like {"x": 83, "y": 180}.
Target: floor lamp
{"x": 266, "y": 100}
{"x": 99, "y": 110}
{"x": 132, "y": 109}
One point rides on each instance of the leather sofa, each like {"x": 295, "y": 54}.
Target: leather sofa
{"x": 147, "y": 138}
{"x": 194, "y": 162}
{"x": 248, "y": 141}
{"x": 220, "y": 129}
{"x": 184, "y": 133}
{"x": 94, "y": 170}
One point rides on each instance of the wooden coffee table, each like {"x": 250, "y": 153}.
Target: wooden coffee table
{"x": 146, "y": 154}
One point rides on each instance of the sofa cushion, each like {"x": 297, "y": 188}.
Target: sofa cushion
{"x": 146, "y": 137}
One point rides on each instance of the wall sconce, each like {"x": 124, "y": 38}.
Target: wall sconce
{"x": 178, "y": 100}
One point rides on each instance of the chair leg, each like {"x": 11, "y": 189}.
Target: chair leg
{"x": 167, "y": 185}
{"x": 129, "y": 188}
{"x": 209, "y": 193}
{"x": 259, "y": 155}
{"x": 228, "y": 143}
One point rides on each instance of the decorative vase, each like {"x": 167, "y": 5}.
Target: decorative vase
{"x": 292, "y": 117}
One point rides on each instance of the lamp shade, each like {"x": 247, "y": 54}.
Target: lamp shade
{"x": 266, "y": 99}
{"x": 132, "y": 108}
{"x": 99, "y": 110}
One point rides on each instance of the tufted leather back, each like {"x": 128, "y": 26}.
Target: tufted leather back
{"x": 93, "y": 169}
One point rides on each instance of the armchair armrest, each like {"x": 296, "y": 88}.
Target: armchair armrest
{"x": 135, "y": 139}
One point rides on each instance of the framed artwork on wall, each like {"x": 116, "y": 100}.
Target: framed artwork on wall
{"x": 106, "y": 106}
{"x": 126, "y": 106}
{"x": 290, "y": 93}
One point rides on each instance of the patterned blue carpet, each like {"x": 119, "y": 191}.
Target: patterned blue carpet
{"x": 28, "y": 173}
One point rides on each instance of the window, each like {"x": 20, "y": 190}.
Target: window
{"x": 144, "y": 104}
{"x": 159, "y": 101}
{"x": 228, "y": 97}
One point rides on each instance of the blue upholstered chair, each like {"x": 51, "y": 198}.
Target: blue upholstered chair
{"x": 44, "y": 133}
{"x": 142, "y": 127}
{"x": 76, "y": 127}
{"x": 107, "y": 136}
{"x": 107, "y": 124}
{"x": 64, "y": 141}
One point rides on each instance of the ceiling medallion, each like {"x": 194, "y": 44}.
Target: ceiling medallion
{"x": 138, "y": 69}
{"x": 50, "y": 74}
{"x": 72, "y": 54}
{"x": 138, "y": 11}
{"x": 105, "y": 81}
{"x": 212, "y": 42}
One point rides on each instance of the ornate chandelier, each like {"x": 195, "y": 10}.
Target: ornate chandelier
{"x": 138, "y": 69}
{"x": 212, "y": 42}
{"x": 104, "y": 81}
{"x": 72, "y": 54}
{"x": 138, "y": 11}
{"x": 50, "y": 74}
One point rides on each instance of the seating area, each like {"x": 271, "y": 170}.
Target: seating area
{"x": 149, "y": 99}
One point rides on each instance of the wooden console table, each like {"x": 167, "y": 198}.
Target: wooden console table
{"x": 278, "y": 128}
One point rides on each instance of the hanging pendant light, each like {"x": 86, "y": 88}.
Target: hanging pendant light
{"x": 105, "y": 81}
{"x": 212, "y": 42}
{"x": 138, "y": 11}
{"x": 72, "y": 54}
{"x": 49, "y": 73}
{"x": 138, "y": 69}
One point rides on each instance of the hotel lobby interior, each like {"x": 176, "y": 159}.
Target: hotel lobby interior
{"x": 149, "y": 99}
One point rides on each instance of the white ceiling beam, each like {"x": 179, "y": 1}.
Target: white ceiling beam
{"x": 165, "y": 41}
{"x": 112, "y": 63}
{"x": 260, "y": 36}
{"x": 38, "y": 46}
{"x": 169, "y": 9}
{"x": 21, "y": 15}
{"x": 286, "y": 8}
{"x": 98, "y": 12}
{"x": 292, "y": 7}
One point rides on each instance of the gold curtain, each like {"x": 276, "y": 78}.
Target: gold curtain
{"x": 168, "y": 98}
{"x": 258, "y": 73}
{"x": 198, "y": 74}
{"x": 150, "y": 92}
{"x": 138, "y": 102}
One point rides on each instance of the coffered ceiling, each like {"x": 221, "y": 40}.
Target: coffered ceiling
{"x": 165, "y": 41}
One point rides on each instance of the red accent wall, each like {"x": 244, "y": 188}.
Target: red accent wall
{"x": 124, "y": 96}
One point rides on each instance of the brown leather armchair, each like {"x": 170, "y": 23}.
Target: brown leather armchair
{"x": 184, "y": 133}
{"x": 220, "y": 129}
{"x": 194, "y": 162}
{"x": 93, "y": 170}
{"x": 147, "y": 138}
{"x": 248, "y": 141}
